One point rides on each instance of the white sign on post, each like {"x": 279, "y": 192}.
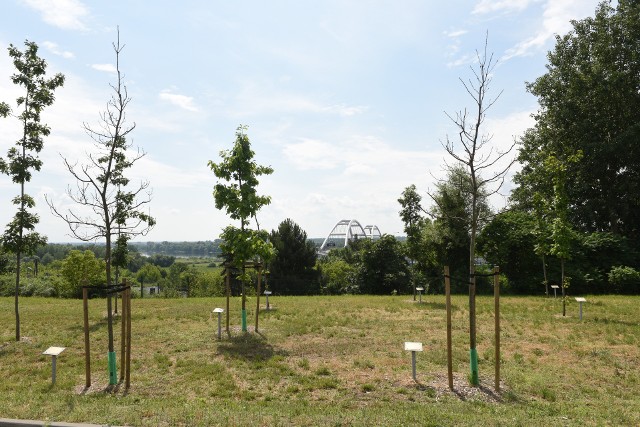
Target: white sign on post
{"x": 53, "y": 352}
{"x": 413, "y": 347}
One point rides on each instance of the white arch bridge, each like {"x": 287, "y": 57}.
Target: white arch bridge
{"x": 348, "y": 230}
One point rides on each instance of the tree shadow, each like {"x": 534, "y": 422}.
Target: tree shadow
{"x": 438, "y": 305}
{"x": 249, "y": 347}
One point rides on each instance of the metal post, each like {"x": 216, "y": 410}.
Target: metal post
{"x": 219, "y": 326}
{"x": 53, "y": 370}
{"x": 413, "y": 365}
{"x": 580, "y": 310}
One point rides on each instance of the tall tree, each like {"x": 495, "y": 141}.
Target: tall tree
{"x": 292, "y": 270}
{"x": 384, "y": 268}
{"x": 589, "y": 101}
{"x": 484, "y": 165}
{"x": 236, "y": 193}
{"x": 107, "y": 205}
{"x": 413, "y": 219}
{"x": 19, "y": 237}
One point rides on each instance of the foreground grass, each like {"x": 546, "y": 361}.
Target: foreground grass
{"x": 329, "y": 361}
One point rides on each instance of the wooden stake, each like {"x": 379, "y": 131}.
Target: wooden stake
{"x": 128, "y": 355}
{"x": 258, "y": 297}
{"x": 447, "y": 288}
{"x": 496, "y": 296}
{"x": 123, "y": 330}
{"x": 87, "y": 346}
{"x": 228, "y": 283}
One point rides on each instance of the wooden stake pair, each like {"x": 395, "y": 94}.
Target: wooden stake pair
{"x": 125, "y": 336}
{"x": 496, "y": 295}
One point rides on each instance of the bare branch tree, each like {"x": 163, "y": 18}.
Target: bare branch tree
{"x": 107, "y": 207}
{"x": 486, "y": 166}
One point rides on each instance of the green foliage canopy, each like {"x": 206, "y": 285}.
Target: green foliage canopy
{"x": 292, "y": 269}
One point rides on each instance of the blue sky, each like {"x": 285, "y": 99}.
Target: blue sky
{"x": 346, "y": 100}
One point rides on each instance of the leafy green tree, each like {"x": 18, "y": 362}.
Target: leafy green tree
{"x": 509, "y": 241}
{"x": 337, "y": 276}
{"x": 149, "y": 273}
{"x": 81, "y": 268}
{"x": 384, "y": 268}
{"x": 108, "y": 206}
{"x": 235, "y": 192}
{"x": 562, "y": 233}
{"x": 19, "y": 237}
{"x": 414, "y": 222}
{"x": 589, "y": 101}
{"x": 452, "y": 210}
{"x": 292, "y": 270}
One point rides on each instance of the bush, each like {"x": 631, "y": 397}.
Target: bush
{"x": 624, "y": 280}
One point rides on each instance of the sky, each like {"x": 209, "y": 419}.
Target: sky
{"x": 346, "y": 100}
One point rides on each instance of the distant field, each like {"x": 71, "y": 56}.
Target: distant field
{"x": 329, "y": 361}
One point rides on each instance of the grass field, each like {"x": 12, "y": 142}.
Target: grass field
{"x": 329, "y": 361}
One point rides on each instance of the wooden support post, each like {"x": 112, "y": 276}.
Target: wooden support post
{"x": 496, "y": 296}
{"x": 128, "y": 355}
{"x": 123, "y": 330}
{"x": 447, "y": 287}
{"x": 228, "y": 283}
{"x": 258, "y": 297}
{"x": 87, "y": 346}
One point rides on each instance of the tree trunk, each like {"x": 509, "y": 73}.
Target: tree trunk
{"x": 564, "y": 299}
{"x": 107, "y": 257}
{"x": 544, "y": 272}
{"x": 473, "y": 353}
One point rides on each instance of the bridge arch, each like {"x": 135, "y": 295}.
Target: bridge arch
{"x": 347, "y": 230}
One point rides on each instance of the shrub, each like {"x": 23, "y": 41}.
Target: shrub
{"x": 624, "y": 280}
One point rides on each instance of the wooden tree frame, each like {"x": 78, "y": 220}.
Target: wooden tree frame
{"x": 125, "y": 335}
{"x": 227, "y": 272}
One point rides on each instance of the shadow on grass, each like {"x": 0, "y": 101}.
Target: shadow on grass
{"x": 606, "y": 321}
{"x": 250, "y": 347}
{"x": 437, "y": 306}
{"x": 96, "y": 326}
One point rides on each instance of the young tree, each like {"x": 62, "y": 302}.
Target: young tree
{"x": 107, "y": 207}
{"x": 292, "y": 270}
{"x": 19, "y": 237}
{"x": 235, "y": 192}
{"x": 561, "y": 230}
{"x": 486, "y": 173}
{"x": 411, "y": 215}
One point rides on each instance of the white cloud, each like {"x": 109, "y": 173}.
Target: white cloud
{"x": 488, "y": 6}
{"x": 345, "y": 110}
{"x": 455, "y": 33}
{"x": 182, "y": 101}
{"x": 555, "y": 20}
{"x": 65, "y": 14}
{"x": 107, "y": 68}
{"x": 463, "y": 60}
{"x": 53, "y": 48}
